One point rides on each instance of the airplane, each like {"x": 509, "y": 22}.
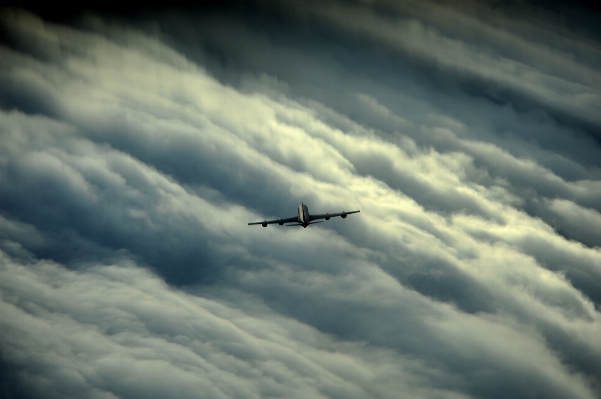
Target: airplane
{"x": 304, "y": 218}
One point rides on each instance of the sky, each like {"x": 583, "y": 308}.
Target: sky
{"x": 136, "y": 145}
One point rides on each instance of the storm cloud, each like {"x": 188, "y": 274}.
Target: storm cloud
{"x": 136, "y": 147}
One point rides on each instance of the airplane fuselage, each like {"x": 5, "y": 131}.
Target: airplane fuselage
{"x": 303, "y": 215}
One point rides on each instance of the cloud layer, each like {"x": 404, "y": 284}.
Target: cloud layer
{"x": 134, "y": 152}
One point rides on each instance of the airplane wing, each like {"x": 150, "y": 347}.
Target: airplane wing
{"x": 279, "y": 221}
{"x": 327, "y": 216}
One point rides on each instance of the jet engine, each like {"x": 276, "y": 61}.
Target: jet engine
{"x": 264, "y": 224}
{"x": 343, "y": 215}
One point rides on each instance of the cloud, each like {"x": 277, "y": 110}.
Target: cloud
{"x": 130, "y": 167}
{"x": 579, "y": 221}
{"x": 130, "y": 335}
{"x": 496, "y": 75}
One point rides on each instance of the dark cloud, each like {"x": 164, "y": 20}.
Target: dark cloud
{"x": 136, "y": 147}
